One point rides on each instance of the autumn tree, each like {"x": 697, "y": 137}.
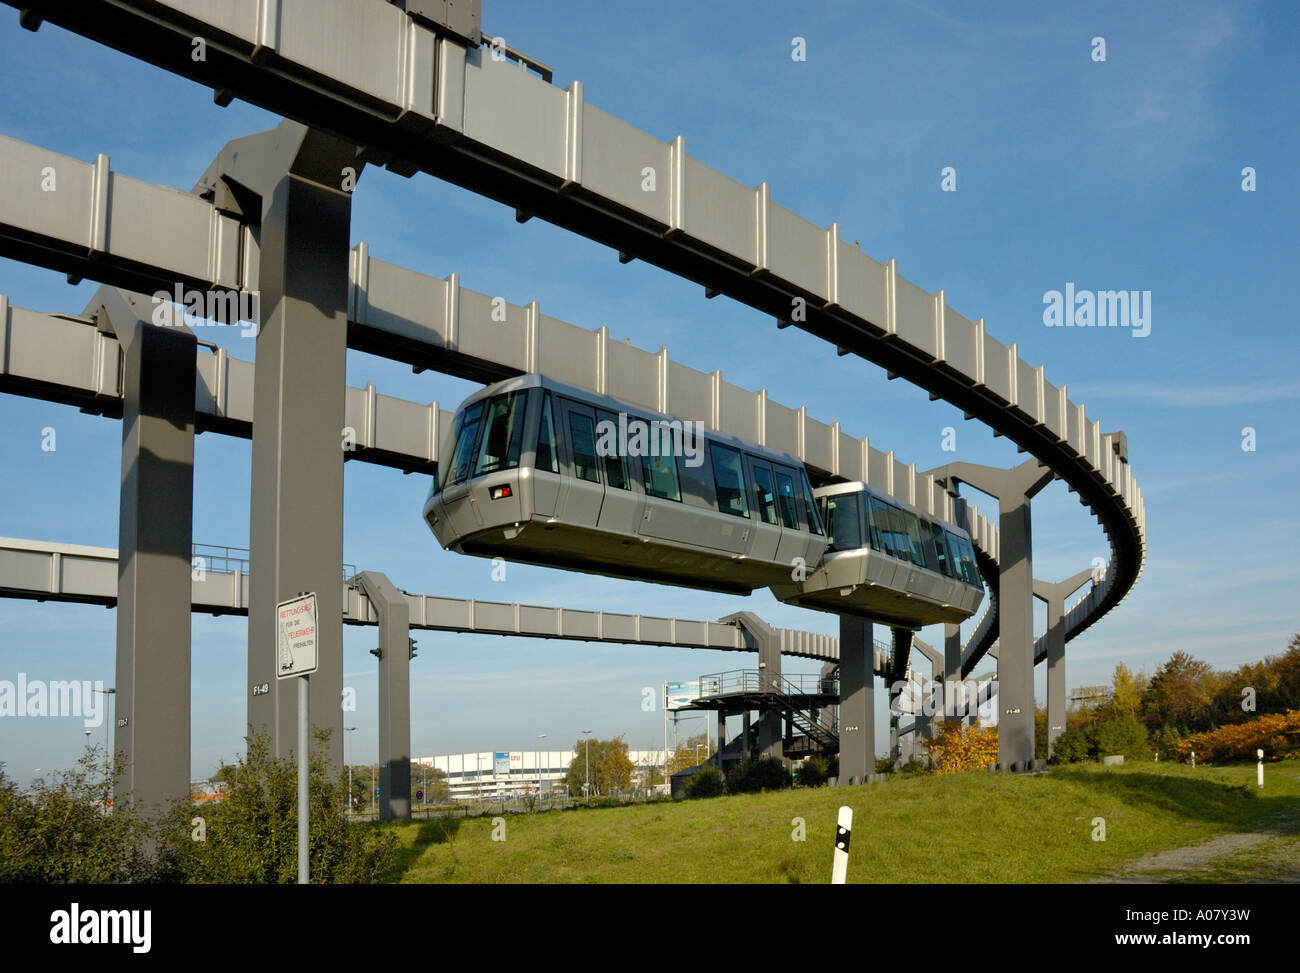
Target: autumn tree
{"x": 607, "y": 762}
{"x": 1126, "y": 698}
{"x": 1179, "y": 693}
{"x": 696, "y": 750}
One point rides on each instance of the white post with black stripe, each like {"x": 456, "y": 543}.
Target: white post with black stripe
{"x": 1259, "y": 776}
{"x": 843, "y": 832}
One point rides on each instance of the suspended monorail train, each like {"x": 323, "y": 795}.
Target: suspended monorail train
{"x": 541, "y": 472}
{"x": 887, "y": 561}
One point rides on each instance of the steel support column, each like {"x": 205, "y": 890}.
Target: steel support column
{"x": 1055, "y": 595}
{"x": 952, "y": 708}
{"x": 152, "y": 731}
{"x": 1014, "y": 489}
{"x": 295, "y": 177}
{"x": 857, "y": 699}
{"x": 394, "y": 653}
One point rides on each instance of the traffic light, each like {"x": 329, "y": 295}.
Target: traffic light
{"x": 413, "y": 646}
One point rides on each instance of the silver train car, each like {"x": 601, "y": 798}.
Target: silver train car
{"x": 542, "y": 472}
{"x": 888, "y": 562}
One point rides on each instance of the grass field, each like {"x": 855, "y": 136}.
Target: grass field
{"x": 977, "y": 827}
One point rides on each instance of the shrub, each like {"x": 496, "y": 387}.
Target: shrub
{"x": 813, "y": 772}
{"x": 956, "y": 748}
{"x": 251, "y": 836}
{"x": 1071, "y": 747}
{"x": 1122, "y": 734}
{"x": 767, "y": 774}
{"x": 60, "y": 832}
{"x": 1277, "y": 734}
{"x": 705, "y": 783}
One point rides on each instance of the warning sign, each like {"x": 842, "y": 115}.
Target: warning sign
{"x": 296, "y": 635}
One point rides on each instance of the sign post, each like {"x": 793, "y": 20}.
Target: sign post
{"x": 296, "y": 638}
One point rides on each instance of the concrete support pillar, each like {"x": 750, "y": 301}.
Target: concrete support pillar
{"x": 292, "y": 176}
{"x": 1014, "y": 489}
{"x": 857, "y": 699}
{"x": 394, "y": 653}
{"x": 152, "y": 715}
{"x": 1055, "y": 595}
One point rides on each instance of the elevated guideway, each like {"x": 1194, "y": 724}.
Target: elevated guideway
{"x": 444, "y": 106}
{"x": 451, "y": 110}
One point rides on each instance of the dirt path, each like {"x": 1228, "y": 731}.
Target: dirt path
{"x": 1271, "y": 854}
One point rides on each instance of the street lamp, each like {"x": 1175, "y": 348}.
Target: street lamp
{"x": 538, "y": 755}
{"x": 348, "y": 761}
{"x": 586, "y": 764}
{"x": 107, "y": 721}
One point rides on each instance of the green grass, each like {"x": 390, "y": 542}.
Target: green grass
{"x": 977, "y": 827}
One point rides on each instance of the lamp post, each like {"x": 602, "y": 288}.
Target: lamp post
{"x": 110, "y": 693}
{"x": 538, "y": 755}
{"x": 586, "y": 764}
{"x": 348, "y": 761}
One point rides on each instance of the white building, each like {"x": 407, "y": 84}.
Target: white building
{"x": 511, "y": 773}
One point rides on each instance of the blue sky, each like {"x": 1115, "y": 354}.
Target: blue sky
{"x": 1122, "y": 174}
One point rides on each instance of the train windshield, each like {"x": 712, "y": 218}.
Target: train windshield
{"x": 843, "y": 521}
{"x": 467, "y": 426}
{"x": 503, "y": 434}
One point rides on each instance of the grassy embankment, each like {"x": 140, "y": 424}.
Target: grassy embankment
{"x": 977, "y": 827}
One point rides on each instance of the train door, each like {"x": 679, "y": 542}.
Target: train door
{"x": 767, "y": 522}
{"x": 794, "y": 543}
{"x": 546, "y": 459}
{"x": 621, "y": 512}
{"x": 582, "y": 492}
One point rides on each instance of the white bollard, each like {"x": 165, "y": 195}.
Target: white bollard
{"x": 843, "y": 832}
{"x": 1193, "y": 758}
{"x": 1259, "y": 769}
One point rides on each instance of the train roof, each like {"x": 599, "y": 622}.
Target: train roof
{"x": 612, "y": 404}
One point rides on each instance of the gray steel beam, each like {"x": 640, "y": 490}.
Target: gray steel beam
{"x": 502, "y": 132}
{"x": 1014, "y": 489}
{"x": 1055, "y": 595}
{"x": 857, "y": 700}
{"x": 394, "y": 693}
{"x": 156, "y": 513}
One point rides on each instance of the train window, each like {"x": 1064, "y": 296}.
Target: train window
{"x": 661, "y": 477}
{"x": 888, "y": 523}
{"x": 965, "y": 561}
{"x": 875, "y": 522}
{"x": 502, "y": 434}
{"x": 785, "y": 500}
{"x": 582, "y": 433}
{"x": 466, "y": 436}
{"x": 843, "y": 521}
{"x": 942, "y": 552}
{"x": 729, "y": 480}
{"x": 546, "y": 456}
{"x": 916, "y": 549}
{"x": 615, "y": 465}
{"x": 764, "y": 493}
{"x": 809, "y": 508}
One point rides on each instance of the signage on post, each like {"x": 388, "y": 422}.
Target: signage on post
{"x": 296, "y": 636}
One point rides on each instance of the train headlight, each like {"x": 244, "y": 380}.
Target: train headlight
{"x": 499, "y": 492}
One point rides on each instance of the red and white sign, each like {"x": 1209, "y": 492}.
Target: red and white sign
{"x": 296, "y": 637}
